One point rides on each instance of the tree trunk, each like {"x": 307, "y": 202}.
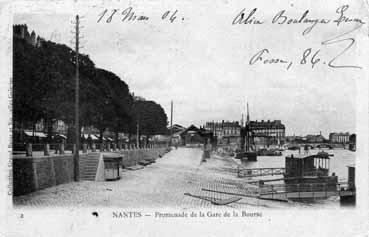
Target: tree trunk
{"x": 70, "y": 134}
{"x": 33, "y": 131}
{"x": 116, "y": 137}
{"x": 49, "y": 127}
{"x": 147, "y": 139}
{"x": 101, "y": 132}
{"x": 21, "y": 135}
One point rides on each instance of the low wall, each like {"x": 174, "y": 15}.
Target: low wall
{"x": 34, "y": 173}
{"x": 31, "y": 174}
{"x": 132, "y": 157}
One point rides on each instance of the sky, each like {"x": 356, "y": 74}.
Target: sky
{"x": 201, "y": 62}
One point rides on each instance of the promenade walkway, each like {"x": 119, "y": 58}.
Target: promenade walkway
{"x": 159, "y": 185}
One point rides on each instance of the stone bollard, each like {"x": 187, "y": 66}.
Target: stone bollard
{"x": 62, "y": 149}
{"x": 93, "y": 147}
{"x": 29, "y": 149}
{"x": 108, "y": 147}
{"x": 84, "y": 148}
{"x": 46, "y": 150}
{"x": 114, "y": 146}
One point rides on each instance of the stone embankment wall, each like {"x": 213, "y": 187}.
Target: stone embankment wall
{"x": 131, "y": 157}
{"x": 34, "y": 173}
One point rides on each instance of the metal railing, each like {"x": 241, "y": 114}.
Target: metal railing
{"x": 46, "y": 149}
{"x": 305, "y": 187}
{"x": 241, "y": 172}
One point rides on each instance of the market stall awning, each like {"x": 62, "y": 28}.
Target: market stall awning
{"x": 36, "y": 134}
{"x": 93, "y": 137}
{"x": 62, "y": 136}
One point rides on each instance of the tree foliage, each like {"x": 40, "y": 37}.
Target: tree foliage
{"x": 44, "y": 88}
{"x": 151, "y": 117}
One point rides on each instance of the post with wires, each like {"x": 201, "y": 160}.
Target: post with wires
{"x": 171, "y": 123}
{"x": 76, "y": 114}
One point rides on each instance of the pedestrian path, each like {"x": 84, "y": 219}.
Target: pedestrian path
{"x": 159, "y": 185}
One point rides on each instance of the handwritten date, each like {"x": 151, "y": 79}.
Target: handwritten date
{"x": 129, "y": 15}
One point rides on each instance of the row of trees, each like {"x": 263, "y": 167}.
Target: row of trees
{"x": 44, "y": 88}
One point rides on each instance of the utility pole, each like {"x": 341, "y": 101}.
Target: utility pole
{"x": 76, "y": 118}
{"x": 138, "y": 134}
{"x": 171, "y": 122}
{"x": 248, "y": 130}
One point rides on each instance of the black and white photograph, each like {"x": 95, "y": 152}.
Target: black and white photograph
{"x": 190, "y": 111}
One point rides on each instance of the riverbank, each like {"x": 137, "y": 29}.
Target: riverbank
{"x": 160, "y": 185}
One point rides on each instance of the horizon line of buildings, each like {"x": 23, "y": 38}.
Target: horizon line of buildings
{"x": 265, "y": 133}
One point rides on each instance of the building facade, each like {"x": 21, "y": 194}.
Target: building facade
{"x": 339, "y": 137}
{"x": 194, "y": 136}
{"x": 268, "y": 133}
{"x": 21, "y": 32}
{"x": 352, "y": 142}
{"x": 312, "y": 138}
{"x": 226, "y": 132}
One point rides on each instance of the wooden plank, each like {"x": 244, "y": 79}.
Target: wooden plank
{"x": 136, "y": 167}
{"x": 215, "y": 201}
{"x": 226, "y": 201}
{"x": 151, "y": 160}
{"x": 299, "y": 195}
{"x": 144, "y": 163}
{"x": 229, "y": 193}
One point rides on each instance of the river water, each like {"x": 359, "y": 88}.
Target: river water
{"x": 338, "y": 164}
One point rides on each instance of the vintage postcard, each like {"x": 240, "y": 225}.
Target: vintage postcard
{"x": 189, "y": 118}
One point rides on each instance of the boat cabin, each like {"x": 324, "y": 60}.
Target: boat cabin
{"x": 351, "y": 176}
{"x": 312, "y": 165}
